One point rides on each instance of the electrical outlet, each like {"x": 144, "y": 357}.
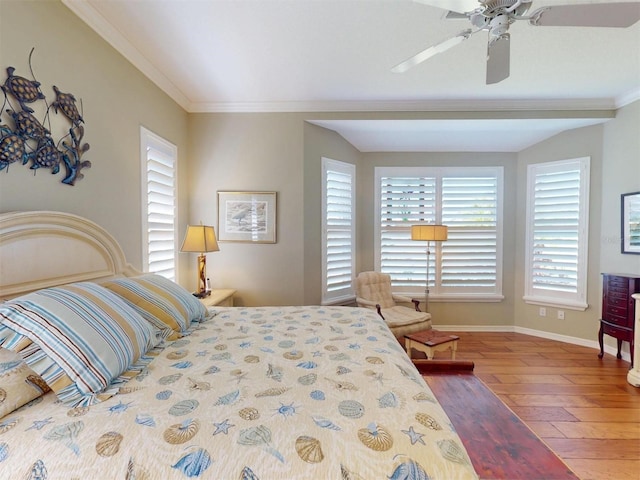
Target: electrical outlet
{"x": 560, "y": 314}
{"x": 542, "y": 312}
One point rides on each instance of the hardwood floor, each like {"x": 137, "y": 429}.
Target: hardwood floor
{"x": 580, "y": 406}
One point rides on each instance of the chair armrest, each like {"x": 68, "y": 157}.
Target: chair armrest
{"x": 416, "y": 302}
{"x": 403, "y": 299}
{"x": 400, "y": 298}
{"x": 369, "y": 304}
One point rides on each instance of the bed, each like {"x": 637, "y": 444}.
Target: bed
{"x": 179, "y": 391}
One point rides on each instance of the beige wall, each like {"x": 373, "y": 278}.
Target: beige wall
{"x": 446, "y": 313}
{"x": 251, "y": 152}
{"x": 620, "y": 174}
{"x": 615, "y": 169}
{"x": 583, "y": 142}
{"x": 318, "y": 143}
{"x": 116, "y": 100}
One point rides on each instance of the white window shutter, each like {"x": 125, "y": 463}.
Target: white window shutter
{"x": 470, "y": 254}
{"x": 338, "y": 231}
{"x": 557, "y": 233}
{"x": 159, "y": 233}
{"x": 405, "y": 200}
{"x": 469, "y": 202}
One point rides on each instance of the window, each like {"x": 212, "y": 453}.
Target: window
{"x": 468, "y": 266}
{"x": 159, "y": 204}
{"x": 557, "y": 233}
{"x": 338, "y": 231}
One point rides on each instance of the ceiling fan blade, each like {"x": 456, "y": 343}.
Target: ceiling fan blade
{"x": 618, "y": 14}
{"x": 460, "y": 6}
{"x": 451, "y": 15}
{"x": 433, "y": 50}
{"x": 498, "y": 58}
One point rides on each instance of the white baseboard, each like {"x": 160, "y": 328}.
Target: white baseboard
{"x": 611, "y": 350}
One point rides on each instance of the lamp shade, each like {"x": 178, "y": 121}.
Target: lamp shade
{"x": 436, "y": 233}
{"x": 200, "y": 239}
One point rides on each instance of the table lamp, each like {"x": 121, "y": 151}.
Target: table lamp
{"x": 436, "y": 233}
{"x": 200, "y": 239}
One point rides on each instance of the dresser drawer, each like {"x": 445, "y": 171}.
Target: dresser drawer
{"x": 618, "y": 283}
{"x": 622, "y": 333}
{"x": 619, "y": 321}
{"x": 617, "y": 311}
{"x": 615, "y": 300}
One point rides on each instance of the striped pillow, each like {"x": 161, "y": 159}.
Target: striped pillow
{"x": 79, "y": 338}
{"x": 167, "y": 305}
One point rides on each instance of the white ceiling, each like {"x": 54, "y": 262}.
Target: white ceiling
{"x": 336, "y": 56}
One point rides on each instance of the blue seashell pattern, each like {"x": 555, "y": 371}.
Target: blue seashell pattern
{"x": 261, "y": 392}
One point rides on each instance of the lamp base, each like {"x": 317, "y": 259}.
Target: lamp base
{"x": 206, "y": 293}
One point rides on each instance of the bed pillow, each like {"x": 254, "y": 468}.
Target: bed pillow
{"x": 79, "y": 338}
{"x": 164, "y": 303}
{"x": 18, "y": 383}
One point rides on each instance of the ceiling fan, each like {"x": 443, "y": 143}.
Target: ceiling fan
{"x": 495, "y": 16}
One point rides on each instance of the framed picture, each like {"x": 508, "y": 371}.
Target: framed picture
{"x": 247, "y": 217}
{"x": 630, "y": 220}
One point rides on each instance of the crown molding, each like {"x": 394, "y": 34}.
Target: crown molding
{"x": 628, "y": 98}
{"x": 461, "y": 105}
{"x": 89, "y": 15}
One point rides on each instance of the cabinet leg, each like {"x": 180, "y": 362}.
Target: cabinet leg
{"x": 619, "y": 355}
{"x": 601, "y": 341}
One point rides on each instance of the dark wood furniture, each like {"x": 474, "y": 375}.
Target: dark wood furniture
{"x": 618, "y": 309}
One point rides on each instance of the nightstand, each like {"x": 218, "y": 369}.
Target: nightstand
{"x": 222, "y": 297}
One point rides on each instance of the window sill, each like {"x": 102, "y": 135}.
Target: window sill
{"x": 556, "y": 303}
{"x": 341, "y": 301}
{"x": 461, "y": 298}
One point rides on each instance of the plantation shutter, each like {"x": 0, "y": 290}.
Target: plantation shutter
{"x": 557, "y": 232}
{"x": 468, "y": 202}
{"x": 405, "y": 200}
{"x": 339, "y": 231}
{"x": 160, "y": 210}
{"x": 470, "y": 210}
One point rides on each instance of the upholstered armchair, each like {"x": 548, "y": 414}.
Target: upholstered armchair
{"x": 373, "y": 290}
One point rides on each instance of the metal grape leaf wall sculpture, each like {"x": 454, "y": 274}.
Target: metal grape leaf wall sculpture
{"x": 25, "y": 139}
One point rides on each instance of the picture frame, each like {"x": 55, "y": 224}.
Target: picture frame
{"x": 247, "y": 217}
{"x": 630, "y": 222}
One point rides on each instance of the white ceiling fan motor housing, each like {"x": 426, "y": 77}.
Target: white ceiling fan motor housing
{"x": 499, "y": 25}
{"x": 494, "y": 7}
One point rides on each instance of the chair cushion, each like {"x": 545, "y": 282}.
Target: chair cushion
{"x": 399, "y": 316}
{"x": 375, "y": 287}
{"x": 400, "y": 332}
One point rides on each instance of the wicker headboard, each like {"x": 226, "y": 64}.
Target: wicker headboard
{"x": 41, "y": 249}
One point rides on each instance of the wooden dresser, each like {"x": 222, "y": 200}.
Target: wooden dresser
{"x": 618, "y": 309}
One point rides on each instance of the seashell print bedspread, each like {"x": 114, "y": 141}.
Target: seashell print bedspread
{"x": 252, "y": 393}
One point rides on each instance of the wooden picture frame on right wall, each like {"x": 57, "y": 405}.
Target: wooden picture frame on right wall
{"x": 630, "y": 222}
